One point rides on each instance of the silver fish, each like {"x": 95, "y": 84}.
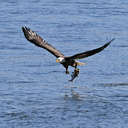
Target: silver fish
{"x": 74, "y": 74}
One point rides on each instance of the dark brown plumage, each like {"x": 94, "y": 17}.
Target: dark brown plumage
{"x": 64, "y": 60}
{"x": 40, "y": 42}
{"x": 90, "y": 53}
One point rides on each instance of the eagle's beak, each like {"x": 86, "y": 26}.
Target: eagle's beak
{"x": 57, "y": 60}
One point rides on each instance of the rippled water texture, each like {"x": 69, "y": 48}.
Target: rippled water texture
{"x": 34, "y": 90}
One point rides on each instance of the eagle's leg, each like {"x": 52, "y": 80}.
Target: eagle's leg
{"x": 67, "y": 72}
{"x": 66, "y": 67}
{"x": 76, "y": 67}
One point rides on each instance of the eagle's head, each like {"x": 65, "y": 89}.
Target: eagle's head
{"x": 60, "y": 60}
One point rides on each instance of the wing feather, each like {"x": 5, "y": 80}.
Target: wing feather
{"x": 40, "y": 42}
{"x": 89, "y": 53}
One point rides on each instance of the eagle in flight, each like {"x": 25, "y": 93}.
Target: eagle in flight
{"x": 66, "y": 61}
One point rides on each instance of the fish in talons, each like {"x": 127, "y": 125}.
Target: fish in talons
{"x": 74, "y": 74}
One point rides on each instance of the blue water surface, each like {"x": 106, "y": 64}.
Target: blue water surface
{"x": 34, "y": 89}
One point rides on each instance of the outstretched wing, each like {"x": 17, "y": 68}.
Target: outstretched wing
{"x": 40, "y": 42}
{"x": 89, "y": 53}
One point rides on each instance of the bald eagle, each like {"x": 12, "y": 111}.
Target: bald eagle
{"x": 66, "y": 61}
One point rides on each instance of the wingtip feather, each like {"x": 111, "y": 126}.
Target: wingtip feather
{"x": 111, "y": 40}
